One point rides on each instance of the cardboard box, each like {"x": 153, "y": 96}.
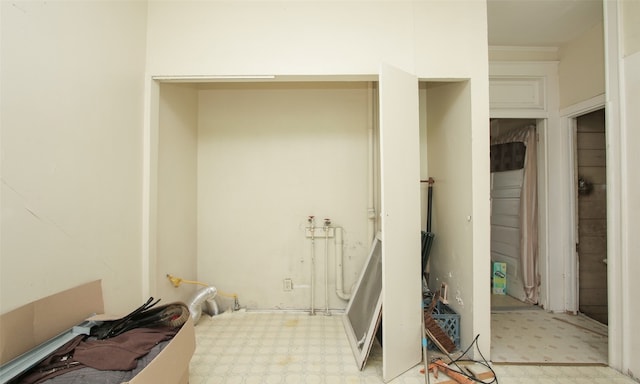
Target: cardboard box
{"x": 499, "y": 278}
{"x": 33, "y": 324}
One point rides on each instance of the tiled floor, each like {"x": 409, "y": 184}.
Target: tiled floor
{"x": 252, "y": 347}
{"x": 537, "y": 336}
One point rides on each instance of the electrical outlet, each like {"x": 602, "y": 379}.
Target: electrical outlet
{"x": 287, "y": 285}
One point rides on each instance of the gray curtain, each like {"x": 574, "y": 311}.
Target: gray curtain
{"x": 528, "y": 209}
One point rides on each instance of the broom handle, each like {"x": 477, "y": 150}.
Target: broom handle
{"x": 429, "y": 200}
{"x": 429, "y": 205}
{"x": 425, "y": 356}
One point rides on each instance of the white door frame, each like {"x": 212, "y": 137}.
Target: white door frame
{"x": 568, "y": 121}
{"x": 529, "y": 90}
{"x": 617, "y": 228}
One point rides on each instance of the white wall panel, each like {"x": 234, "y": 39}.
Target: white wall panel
{"x": 517, "y": 93}
{"x": 400, "y": 188}
{"x": 71, "y": 116}
{"x": 176, "y": 249}
{"x": 630, "y": 261}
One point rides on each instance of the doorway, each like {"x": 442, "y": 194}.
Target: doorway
{"x": 521, "y": 332}
{"x": 514, "y": 228}
{"x": 591, "y": 215}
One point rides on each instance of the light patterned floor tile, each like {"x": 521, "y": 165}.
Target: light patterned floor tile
{"x": 543, "y": 337}
{"x": 283, "y": 348}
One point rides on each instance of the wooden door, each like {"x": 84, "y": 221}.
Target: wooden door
{"x": 592, "y": 215}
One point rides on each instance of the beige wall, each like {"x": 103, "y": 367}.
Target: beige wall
{"x": 581, "y": 68}
{"x": 269, "y": 155}
{"x": 278, "y": 37}
{"x": 449, "y": 156}
{"x": 630, "y": 26}
{"x": 316, "y": 38}
{"x": 523, "y": 54}
{"x": 72, "y": 98}
{"x": 177, "y": 170}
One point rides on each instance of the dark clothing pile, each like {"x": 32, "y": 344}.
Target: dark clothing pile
{"x": 115, "y": 345}
{"x": 120, "y": 353}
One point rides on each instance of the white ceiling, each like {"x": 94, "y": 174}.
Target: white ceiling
{"x": 540, "y": 23}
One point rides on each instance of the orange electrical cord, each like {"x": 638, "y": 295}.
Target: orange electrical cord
{"x": 176, "y": 281}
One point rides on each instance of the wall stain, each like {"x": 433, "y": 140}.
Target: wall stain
{"x": 291, "y": 323}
